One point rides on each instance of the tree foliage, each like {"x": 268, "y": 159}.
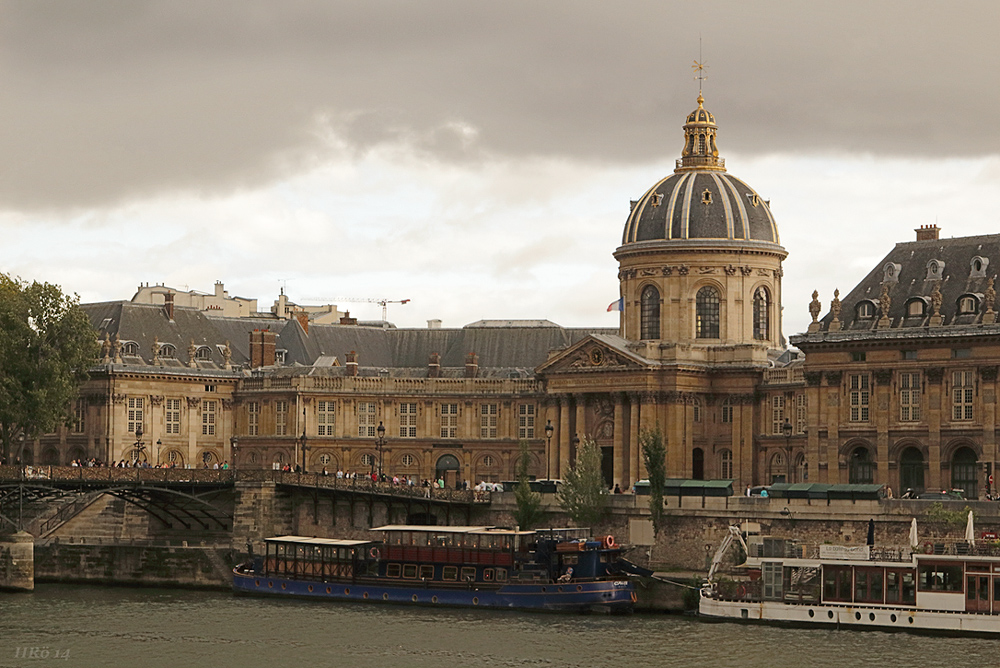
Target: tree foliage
{"x": 46, "y": 347}
{"x": 529, "y": 504}
{"x": 583, "y": 494}
{"x": 654, "y": 455}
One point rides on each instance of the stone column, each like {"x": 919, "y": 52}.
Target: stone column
{"x": 988, "y": 375}
{"x": 833, "y": 417}
{"x": 620, "y": 457}
{"x": 814, "y": 412}
{"x": 17, "y": 561}
{"x": 634, "y": 449}
{"x": 551, "y": 445}
{"x": 882, "y": 415}
{"x": 935, "y": 408}
{"x": 565, "y": 435}
{"x": 580, "y": 426}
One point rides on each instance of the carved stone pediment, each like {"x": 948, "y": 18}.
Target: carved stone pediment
{"x": 591, "y": 355}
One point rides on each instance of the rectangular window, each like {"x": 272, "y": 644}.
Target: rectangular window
{"x": 962, "y": 390}
{"x": 696, "y": 410}
{"x": 281, "y": 418}
{"x": 325, "y": 414}
{"x": 801, "y": 412}
{"x": 253, "y": 418}
{"x": 135, "y": 413}
{"x": 777, "y": 413}
{"x": 172, "y": 416}
{"x": 410, "y": 571}
{"x": 860, "y": 396}
{"x": 909, "y": 397}
{"x": 408, "y": 420}
{"x": 488, "y": 420}
{"x": 858, "y": 357}
{"x": 366, "y": 419}
{"x": 426, "y": 572}
{"x": 909, "y": 354}
{"x": 526, "y": 421}
{"x": 210, "y": 388}
{"x": 770, "y": 572}
{"x": 392, "y": 570}
{"x": 449, "y": 420}
{"x": 468, "y": 573}
{"x": 79, "y": 416}
{"x": 208, "y": 418}
{"x": 727, "y": 411}
{"x": 449, "y": 573}
{"x": 961, "y": 353}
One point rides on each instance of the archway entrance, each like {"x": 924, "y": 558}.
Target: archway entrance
{"x": 965, "y": 472}
{"x": 447, "y": 469}
{"x": 911, "y": 470}
{"x": 698, "y": 464}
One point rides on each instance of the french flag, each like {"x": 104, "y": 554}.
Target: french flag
{"x": 616, "y": 305}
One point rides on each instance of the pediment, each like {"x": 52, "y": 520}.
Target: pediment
{"x": 592, "y": 354}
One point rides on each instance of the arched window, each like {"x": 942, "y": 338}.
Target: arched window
{"x": 861, "y": 470}
{"x": 204, "y": 353}
{"x": 965, "y": 472}
{"x": 866, "y": 309}
{"x": 707, "y": 313}
{"x": 168, "y": 351}
{"x": 967, "y": 305}
{"x": 130, "y": 348}
{"x": 801, "y": 468}
{"x": 726, "y": 464}
{"x": 761, "y": 310}
{"x": 649, "y": 313}
{"x": 778, "y": 470}
{"x": 911, "y": 470}
{"x": 915, "y": 308}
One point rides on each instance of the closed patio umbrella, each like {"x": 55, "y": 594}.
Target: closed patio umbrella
{"x": 913, "y": 533}
{"x": 970, "y": 531}
{"x": 871, "y": 531}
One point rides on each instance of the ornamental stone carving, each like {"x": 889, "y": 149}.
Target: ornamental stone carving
{"x": 988, "y": 373}
{"x": 193, "y": 402}
{"x": 815, "y": 306}
{"x": 812, "y": 378}
{"x": 934, "y": 375}
{"x": 883, "y": 376}
{"x": 834, "y": 377}
{"x": 835, "y": 306}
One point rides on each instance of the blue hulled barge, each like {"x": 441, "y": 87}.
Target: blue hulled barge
{"x": 559, "y": 570}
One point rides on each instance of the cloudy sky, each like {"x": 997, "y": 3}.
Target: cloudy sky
{"x": 477, "y": 158}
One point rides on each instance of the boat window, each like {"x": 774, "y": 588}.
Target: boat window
{"x": 909, "y": 588}
{"x": 868, "y": 585}
{"x": 410, "y": 571}
{"x": 488, "y": 574}
{"x": 392, "y": 570}
{"x": 569, "y": 559}
{"x": 426, "y": 572}
{"x": 395, "y": 538}
{"x": 449, "y": 573}
{"x": 468, "y": 573}
{"x": 941, "y": 577}
{"x": 977, "y": 568}
{"x": 501, "y": 575}
{"x": 771, "y": 574}
{"x": 837, "y": 583}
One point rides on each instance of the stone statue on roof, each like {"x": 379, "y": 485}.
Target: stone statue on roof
{"x": 814, "y": 306}
{"x": 116, "y": 348}
{"x": 106, "y": 349}
{"x": 885, "y": 301}
{"x": 227, "y": 355}
{"x": 155, "y": 350}
{"x": 990, "y": 296}
{"x": 936, "y": 299}
{"x": 192, "y": 351}
{"x": 835, "y": 306}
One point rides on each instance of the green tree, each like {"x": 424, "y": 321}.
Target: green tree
{"x": 654, "y": 455}
{"x": 583, "y": 494}
{"x": 529, "y": 504}
{"x": 46, "y": 347}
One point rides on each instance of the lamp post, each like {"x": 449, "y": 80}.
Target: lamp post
{"x": 20, "y": 448}
{"x": 549, "y": 429}
{"x": 786, "y": 429}
{"x": 234, "y": 444}
{"x": 140, "y": 447}
{"x": 303, "y": 439}
{"x": 159, "y": 446}
{"x": 379, "y": 446}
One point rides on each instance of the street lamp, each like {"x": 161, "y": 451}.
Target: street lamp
{"x": 786, "y": 429}
{"x": 549, "y": 429}
{"x": 140, "y": 447}
{"x": 159, "y": 445}
{"x": 234, "y": 444}
{"x": 303, "y": 439}
{"x": 379, "y": 446}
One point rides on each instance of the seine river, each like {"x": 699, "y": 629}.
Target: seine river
{"x": 101, "y": 627}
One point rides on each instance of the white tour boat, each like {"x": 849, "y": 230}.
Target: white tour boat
{"x": 931, "y": 587}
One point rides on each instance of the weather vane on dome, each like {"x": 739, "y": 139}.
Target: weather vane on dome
{"x": 699, "y": 67}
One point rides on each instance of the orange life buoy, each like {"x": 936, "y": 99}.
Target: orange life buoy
{"x": 741, "y": 591}
{"x": 374, "y": 553}
{"x": 928, "y": 548}
{"x": 609, "y": 541}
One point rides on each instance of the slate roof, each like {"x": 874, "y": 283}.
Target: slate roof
{"x": 906, "y": 268}
{"x": 505, "y": 349}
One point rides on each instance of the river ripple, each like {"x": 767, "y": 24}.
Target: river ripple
{"x": 104, "y": 627}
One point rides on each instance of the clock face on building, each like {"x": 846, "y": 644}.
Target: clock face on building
{"x": 596, "y": 356}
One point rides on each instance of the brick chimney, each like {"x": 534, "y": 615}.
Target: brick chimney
{"x": 352, "y": 363}
{"x": 434, "y": 366}
{"x": 168, "y": 305}
{"x": 262, "y": 345}
{"x": 927, "y": 232}
{"x": 471, "y": 365}
{"x": 346, "y": 319}
{"x": 303, "y": 319}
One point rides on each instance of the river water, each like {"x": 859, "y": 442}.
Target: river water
{"x": 84, "y": 626}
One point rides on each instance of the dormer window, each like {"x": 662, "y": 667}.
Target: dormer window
{"x": 977, "y": 267}
{"x": 935, "y": 270}
{"x": 967, "y": 305}
{"x": 754, "y": 199}
{"x": 130, "y": 348}
{"x": 167, "y": 351}
{"x": 203, "y": 354}
{"x": 916, "y": 308}
{"x": 866, "y": 309}
{"x": 706, "y": 196}
{"x": 657, "y": 198}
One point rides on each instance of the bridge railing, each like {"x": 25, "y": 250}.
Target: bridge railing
{"x": 100, "y": 474}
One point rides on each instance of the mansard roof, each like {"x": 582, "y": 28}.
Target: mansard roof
{"x": 502, "y": 347}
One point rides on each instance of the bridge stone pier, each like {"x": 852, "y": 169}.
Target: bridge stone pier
{"x": 17, "y": 561}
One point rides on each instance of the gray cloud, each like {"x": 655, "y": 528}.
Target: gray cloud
{"x": 109, "y": 101}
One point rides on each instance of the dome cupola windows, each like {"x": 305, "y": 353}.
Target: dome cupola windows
{"x": 761, "y": 311}
{"x": 649, "y": 313}
{"x": 707, "y": 308}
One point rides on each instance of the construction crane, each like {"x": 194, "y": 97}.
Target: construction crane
{"x": 371, "y": 300}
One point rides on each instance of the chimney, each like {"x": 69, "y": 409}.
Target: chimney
{"x": 352, "y": 363}
{"x": 471, "y": 365}
{"x": 347, "y": 319}
{"x": 262, "y": 344}
{"x": 434, "y": 366}
{"x": 303, "y": 319}
{"x": 927, "y": 232}
{"x": 434, "y": 324}
{"x": 168, "y": 305}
